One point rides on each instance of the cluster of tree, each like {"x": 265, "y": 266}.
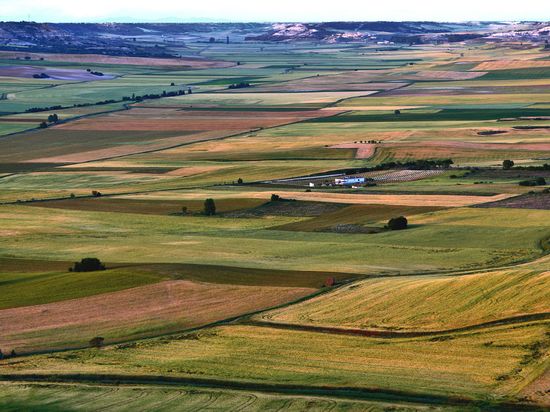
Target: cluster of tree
{"x": 96, "y": 193}
{"x": 241, "y": 85}
{"x": 43, "y": 109}
{"x": 545, "y": 166}
{"x": 423, "y": 164}
{"x": 155, "y": 95}
{"x": 509, "y": 164}
{"x": 109, "y": 101}
{"x": 368, "y": 141}
{"x": 538, "y": 181}
{"x": 52, "y": 118}
{"x": 87, "y": 265}
{"x": 41, "y": 76}
{"x": 397, "y": 223}
{"x": 94, "y": 73}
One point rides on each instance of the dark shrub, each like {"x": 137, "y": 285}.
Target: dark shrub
{"x": 507, "y": 164}
{"x": 209, "y": 207}
{"x": 88, "y": 265}
{"x": 275, "y": 198}
{"x": 397, "y": 223}
{"x": 539, "y": 181}
{"x": 95, "y": 193}
{"x": 43, "y": 125}
{"x": 239, "y": 181}
{"x": 96, "y": 342}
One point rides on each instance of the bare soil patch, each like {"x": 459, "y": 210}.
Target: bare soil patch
{"x": 292, "y": 208}
{"x": 527, "y": 201}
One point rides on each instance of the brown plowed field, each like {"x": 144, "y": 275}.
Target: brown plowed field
{"x": 181, "y": 120}
{"x": 195, "y": 126}
{"x": 137, "y": 312}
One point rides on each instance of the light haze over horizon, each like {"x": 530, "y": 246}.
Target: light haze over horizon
{"x": 276, "y": 11}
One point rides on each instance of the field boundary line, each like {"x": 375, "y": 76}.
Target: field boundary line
{"x": 344, "y": 392}
{"x": 387, "y": 334}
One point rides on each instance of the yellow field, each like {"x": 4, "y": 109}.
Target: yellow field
{"x": 424, "y": 303}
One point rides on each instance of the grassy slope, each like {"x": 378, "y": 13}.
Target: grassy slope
{"x": 449, "y": 239}
{"x": 425, "y": 303}
{"x": 53, "y": 398}
{"x": 499, "y": 360}
{"x": 23, "y": 289}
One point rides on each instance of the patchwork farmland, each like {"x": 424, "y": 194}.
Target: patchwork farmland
{"x": 276, "y": 225}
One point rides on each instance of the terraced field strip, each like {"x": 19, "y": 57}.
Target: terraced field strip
{"x": 460, "y": 368}
{"x": 67, "y": 396}
{"x": 200, "y": 393}
{"x": 417, "y": 305}
{"x": 132, "y": 313}
{"x": 348, "y": 198}
{"x": 386, "y": 334}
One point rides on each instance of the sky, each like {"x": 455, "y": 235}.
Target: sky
{"x": 271, "y": 10}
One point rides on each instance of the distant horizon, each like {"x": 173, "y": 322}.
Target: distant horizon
{"x": 198, "y": 21}
{"x": 287, "y": 11}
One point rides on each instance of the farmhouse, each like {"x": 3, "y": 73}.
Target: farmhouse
{"x": 345, "y": 181}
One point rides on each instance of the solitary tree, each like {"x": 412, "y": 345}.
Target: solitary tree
{"x": 397, "y": 223}
{"x": 397, "y": 111}
{"x": 507, "y": 164}
{"x": 87, "y": 265}
{"x": 239, "y": 181}
{"x": 53, "y": 118}
{"x": 43, "y": 125}
{"x": 209, "y": 207}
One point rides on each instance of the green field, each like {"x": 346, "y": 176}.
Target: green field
{"x": 309, "y": 301}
